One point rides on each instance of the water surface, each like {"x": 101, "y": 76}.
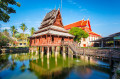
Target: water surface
{"x": 25, "y": 66}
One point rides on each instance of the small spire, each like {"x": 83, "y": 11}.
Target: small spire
{"x": 83, "y": 19}
{"x": 88, "y": 19}
{"x": 55, "y": 7}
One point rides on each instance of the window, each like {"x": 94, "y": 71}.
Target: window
{"x": 84, "y": 45}
{"x": 20, "y": 43}
{"x": 52, "y": 38}
{"x": 62, "y": 39}
{"x": 83, "y": 39}
{"x": 24, "y": 43}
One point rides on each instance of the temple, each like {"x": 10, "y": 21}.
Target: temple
{"x": 50, "y": 35}
{"x": 84, "y": 25}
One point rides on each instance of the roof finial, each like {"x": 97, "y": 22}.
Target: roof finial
{"x": 55, "y": 7}
{"x": 88, "y": 19}
{"x": 83, "y": 18}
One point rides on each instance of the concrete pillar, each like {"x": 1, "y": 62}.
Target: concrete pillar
{"x": 42, "y": 53}
{"x": 53, "y": 51}
{"x": 64, "y": 53}
{"x": 47, "y": 52}
{"x": 36, "y": 50}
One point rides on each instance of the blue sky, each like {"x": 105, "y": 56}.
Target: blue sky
{"x": 104, "y": 15}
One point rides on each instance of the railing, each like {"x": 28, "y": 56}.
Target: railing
{"x": 108, "y": 53}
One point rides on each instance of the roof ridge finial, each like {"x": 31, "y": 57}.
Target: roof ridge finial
{"x": 83, "y": 18}
{"x": 88, "y": 19}
{"x": 55, "y": 7}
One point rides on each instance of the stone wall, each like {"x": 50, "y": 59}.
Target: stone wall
{"x": 15, "y": 50}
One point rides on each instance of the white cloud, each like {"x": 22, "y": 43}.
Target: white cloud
{"x": 3, "y": 28}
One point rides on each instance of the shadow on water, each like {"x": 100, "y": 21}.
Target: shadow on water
{"x": 35, "y": 66}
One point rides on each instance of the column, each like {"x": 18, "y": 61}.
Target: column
{"x": 42, "y": 53}
{"x": 36, "y": 50}
{"x": 47, "y": 52}
{"x": 53, "y": 51}
{"x": 64, "y": 54}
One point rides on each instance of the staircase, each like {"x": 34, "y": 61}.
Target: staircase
{"x": 73, "y": 46}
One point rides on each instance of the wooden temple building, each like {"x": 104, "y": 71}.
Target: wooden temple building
{"x": 48, "y": 39}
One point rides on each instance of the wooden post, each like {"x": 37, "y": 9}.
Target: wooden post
{"x": 42, "y": 53}
{"x": 47, "y": 52}
{"x": 36, "y": 50}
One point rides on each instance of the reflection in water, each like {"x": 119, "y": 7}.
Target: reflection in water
{"x": 63, "y": 67}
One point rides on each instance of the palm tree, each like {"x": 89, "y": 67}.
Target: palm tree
{"x": 5, "y": 32}
{"x": 13, "y": 30}
{"x": 32, "y": 30}
{"x": 23, "y": 27}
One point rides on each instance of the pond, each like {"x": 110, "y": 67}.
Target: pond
{"x": 25, "y": 66}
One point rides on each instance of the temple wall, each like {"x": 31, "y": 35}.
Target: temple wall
{"x": 47, "y": 40}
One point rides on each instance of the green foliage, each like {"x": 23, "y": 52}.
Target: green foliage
{"x": 6, "y": 9}
{"x": 118, "y": 72}
{"x": 23, "y": 27}
{"x": 3, "y": 40}
{"x": 78, "y": 33}
{"x": 6, "y": 32}
{"x": 32, "y": 30}
{"x": 13, "y": 30}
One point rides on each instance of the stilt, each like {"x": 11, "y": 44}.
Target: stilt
{"x": 53, "y": 51}
{"x": 64, "y": 54}
{"x": 42, "y": 53}
{"x": 36, "y": 52}
{"x": 47, "y": 52}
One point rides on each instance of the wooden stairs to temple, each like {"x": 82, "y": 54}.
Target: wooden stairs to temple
{"x": 101, "y": 53}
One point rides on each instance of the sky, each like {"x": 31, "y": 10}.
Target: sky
{"x": 104, "y": 15}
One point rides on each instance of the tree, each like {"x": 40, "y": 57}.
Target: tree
{"x": 6, "y": 9}
{"x": 5, "y": 32}
{"x": 13, "y": 30}
{"x": 32, "y": 30}
{"x": 3, "y": 40}
{"x": 23, "y": 27}
{"x": 78, "y": 33}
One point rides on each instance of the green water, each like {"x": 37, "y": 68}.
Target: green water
{"x": 25, "y": 66}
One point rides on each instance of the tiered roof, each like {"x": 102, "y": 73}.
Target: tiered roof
{"x": 48, "y": 25}
{"x": 83, "y": 24}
